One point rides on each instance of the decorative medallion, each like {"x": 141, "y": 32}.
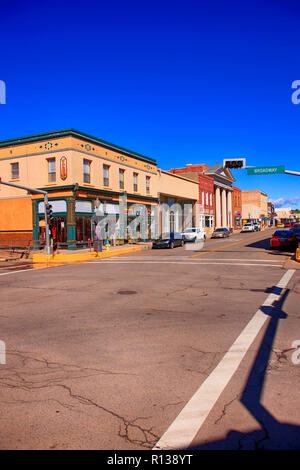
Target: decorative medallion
{"x": 88, "y": 147}
{"x": 63, "y": 168}
{"x": 48, "y": 145}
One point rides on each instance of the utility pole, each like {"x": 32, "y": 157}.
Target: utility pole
{"x": 35, "y": 191}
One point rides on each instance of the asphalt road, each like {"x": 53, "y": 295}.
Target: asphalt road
{"x": 160, "y": 349}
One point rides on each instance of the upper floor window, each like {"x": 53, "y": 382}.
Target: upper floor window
{"x": 86, "y": 171}
{"x": 121, "y": 178}
{"x": 210, "y": 199}
{"x": 206, "y": 199}
{"x": 202, "y": 200}
{"x": 105, "y": 175}
{"x": 147, "y": 184}
{"x": 135, "y": 182}
{"x": 15, "y": 173}
{"x": 51, "y": 170}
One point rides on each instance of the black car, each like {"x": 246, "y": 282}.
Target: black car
{"x": 169, "y": 240}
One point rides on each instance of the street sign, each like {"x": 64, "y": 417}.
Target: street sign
{"x": 266, "y": 170}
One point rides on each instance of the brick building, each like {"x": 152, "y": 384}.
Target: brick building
{"x": 237, "y": 208}
{"x": 205, "y": 204}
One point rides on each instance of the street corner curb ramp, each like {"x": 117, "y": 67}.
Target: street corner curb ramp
{"x": 66, "y": 258}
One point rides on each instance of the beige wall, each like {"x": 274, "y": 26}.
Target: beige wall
{"x": 177, "y": 186}
{"x": 33, "y": 167}
{"x": 255, "y": 203}
{"x": 283, "y": 212}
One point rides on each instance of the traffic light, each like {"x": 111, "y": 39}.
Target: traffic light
{"x": 233, "y": 163}
{"x": 49, "y": 213}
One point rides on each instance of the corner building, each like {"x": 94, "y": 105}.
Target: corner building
{"x": 78, "y": 171}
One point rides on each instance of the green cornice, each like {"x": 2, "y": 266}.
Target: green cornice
{"x": 79, "y": 135}
{"x": 97, "y": 191}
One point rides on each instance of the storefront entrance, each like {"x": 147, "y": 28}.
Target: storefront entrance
{"x": 58, "y": 230}
{"x": 83, "y": 230}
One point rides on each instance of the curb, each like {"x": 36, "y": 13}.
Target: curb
{"x": 81, "y": 257}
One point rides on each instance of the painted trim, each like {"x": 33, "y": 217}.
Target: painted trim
{"x": 73, "y": 133}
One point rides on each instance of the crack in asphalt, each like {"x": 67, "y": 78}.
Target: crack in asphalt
{"x": 224, "y": 410}
{"x": 29, "y": 380}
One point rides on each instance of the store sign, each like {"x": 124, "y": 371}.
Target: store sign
{"x": 83, "y": 206}
{"x": 57, "y": 206}
{"x": 63, "y": 168}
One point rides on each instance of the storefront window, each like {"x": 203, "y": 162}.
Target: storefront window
{"x": 83, "y": 229}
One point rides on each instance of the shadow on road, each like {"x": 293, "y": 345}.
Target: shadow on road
{"x": 272, "y": 434}
{"x": 265, "y": 245}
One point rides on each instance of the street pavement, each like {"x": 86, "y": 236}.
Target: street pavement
{"x": 182, "y": 348}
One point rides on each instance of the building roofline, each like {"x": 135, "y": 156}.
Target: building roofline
{"x": 74, "y": 133}
{"x": 177, "y": 176}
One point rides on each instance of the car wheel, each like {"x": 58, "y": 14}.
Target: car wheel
{"x": 171, "y": 245}
{"x": 182, "y": 243}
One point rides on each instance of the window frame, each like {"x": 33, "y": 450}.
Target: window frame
{"x": 135, "y": 182}
{"x": 12, "y": 175}
{"x": 87, "y": 176}
{"x": 105, "y": 178}
{"x": 51, "y": 179}
{"x": 121, "y": 178}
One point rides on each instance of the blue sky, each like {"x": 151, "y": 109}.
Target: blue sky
{"x": 181, "y": 82}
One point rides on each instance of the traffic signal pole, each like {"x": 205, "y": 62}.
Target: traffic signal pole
{"x": 35, "y": 191}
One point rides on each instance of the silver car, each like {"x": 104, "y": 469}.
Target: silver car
{"x": 221, "y": 233}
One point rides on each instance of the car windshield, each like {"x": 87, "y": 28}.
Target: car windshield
{"x": 247, "y": 225}
{"x": 220, "y": 230}
{"x": 282, "y": 233}
{"x": 190, "y": 230}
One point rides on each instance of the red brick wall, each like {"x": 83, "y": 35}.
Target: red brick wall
{"x": 236, "y": 199}
{"x": 21, "y": 239}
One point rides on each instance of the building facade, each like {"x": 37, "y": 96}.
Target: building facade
{"x": 255, "y": 207}
{"x": 79, "y": 172}
{"x": 237, "y": 208}
{"x": 204, "y": 214}
{"x": 215, "y": 194}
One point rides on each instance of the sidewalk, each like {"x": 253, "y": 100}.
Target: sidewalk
{"x": 68, "y": 256}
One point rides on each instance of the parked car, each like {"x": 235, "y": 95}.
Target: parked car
{"x": 257, "y": 226}
{"x": 249, "y": 227}
{"x": 296, "y": 231}
{"x": 283, "y": 239}
{"x": 222, "y": 232}
{"x": 168, "y": 240}
{"x": 295, "y": 225}
{"x": 192, "y": 234}
{"x": 287, "y": 225}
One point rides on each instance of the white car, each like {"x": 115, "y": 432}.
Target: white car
{"x": 248, "y": 228}
{"x": 193, "y": 234}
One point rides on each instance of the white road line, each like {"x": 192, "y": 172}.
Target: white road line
{"x": 20, "y": 271}
{"x": 195, "y": 263}
{"x": 185, "y": 427}
{"x": 185, "y": 258}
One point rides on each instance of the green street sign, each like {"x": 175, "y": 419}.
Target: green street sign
{"x": 266, "y": 170}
